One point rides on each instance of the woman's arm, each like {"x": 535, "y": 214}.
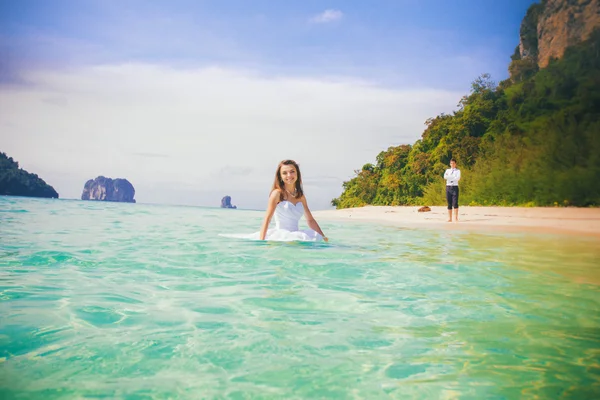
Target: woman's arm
{"x": 273, "y": 200}
{"x": 310, "y": 220}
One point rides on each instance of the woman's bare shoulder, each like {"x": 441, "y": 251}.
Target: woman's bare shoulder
{"x": 275, "y": 193}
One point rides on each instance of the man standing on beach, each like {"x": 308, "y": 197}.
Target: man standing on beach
{"x": 452, "y": 176}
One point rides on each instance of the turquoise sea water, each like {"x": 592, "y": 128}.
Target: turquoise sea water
{"x": 105, "y": 300}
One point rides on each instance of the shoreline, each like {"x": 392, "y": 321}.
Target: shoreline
{"x": 570, "y": 220}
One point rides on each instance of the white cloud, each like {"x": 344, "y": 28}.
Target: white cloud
{"x": 193, "y": 136}
{"x": 327, "y": 16}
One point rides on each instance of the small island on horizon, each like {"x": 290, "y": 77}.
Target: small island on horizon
{"x": 107, "y": 189}
{"x": 226, "y": 203}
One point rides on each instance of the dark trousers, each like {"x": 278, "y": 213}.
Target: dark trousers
{"x": 452, "y": 196}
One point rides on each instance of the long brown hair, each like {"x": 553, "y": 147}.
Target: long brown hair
{"x": 278, "y": 183}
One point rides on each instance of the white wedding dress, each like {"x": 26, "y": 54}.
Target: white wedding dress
{"x": 287, "y": 215}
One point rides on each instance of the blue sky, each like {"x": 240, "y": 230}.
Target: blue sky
{"x": 205, "y": 97}
{"x": 444, "y": 43}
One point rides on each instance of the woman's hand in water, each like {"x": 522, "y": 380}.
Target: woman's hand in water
{"x": 325, "y": 238}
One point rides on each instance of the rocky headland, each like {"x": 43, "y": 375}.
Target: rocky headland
{"x": 15, "y": 181}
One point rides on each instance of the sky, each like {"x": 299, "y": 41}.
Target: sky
{"x": 192, "y": 100}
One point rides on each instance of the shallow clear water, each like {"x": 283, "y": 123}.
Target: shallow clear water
{"x": 141, "y": 301}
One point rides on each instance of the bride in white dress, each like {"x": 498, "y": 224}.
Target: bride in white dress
{"x": 288, "y": 203}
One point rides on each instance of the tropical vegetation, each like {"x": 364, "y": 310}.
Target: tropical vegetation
{"x": 530, "y": 140}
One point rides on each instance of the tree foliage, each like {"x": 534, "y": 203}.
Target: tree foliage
{"x": 534, "y": 140}
{"x": 15, "y": 181}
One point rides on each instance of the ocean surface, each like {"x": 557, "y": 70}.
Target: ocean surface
{"x": 106, "y": 300}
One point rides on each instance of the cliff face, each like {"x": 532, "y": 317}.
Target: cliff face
{"x": 565, "y": 23}
{"x": 528, "y": 35}
{"x": 552, "y": 26}
{"x": 106, "y": 189}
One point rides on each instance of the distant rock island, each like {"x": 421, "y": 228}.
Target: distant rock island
{"x": 107, "y": 189}
{"x": 15, "y": 181}
{"x": 226, "y": 202}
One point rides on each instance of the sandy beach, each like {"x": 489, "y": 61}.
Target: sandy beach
{"x": 581, "y": 221}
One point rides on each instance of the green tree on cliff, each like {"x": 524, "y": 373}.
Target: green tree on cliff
{"x": 15, "y": 181}
{"x": 533, "y": 139}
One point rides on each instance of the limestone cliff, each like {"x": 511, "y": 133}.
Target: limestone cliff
{"x": 552, "y": 26}
{"x": 107, "y": 189}
{"x": 226, "y": 202}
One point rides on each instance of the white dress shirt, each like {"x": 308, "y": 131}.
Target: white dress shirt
{"x": 452, "y": 176}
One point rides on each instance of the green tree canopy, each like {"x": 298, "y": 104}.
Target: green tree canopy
{"x": 15, "y": 181}
{"x": 533, "y": 139}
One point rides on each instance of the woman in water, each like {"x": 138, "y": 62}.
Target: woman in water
{"x": 288, "y": 203}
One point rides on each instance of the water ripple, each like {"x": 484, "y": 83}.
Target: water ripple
{"x": 119, "y": 300}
